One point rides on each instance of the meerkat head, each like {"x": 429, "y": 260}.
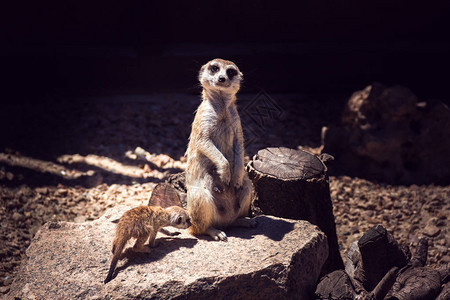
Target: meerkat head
{"x": 220, "y": 75}
{"x": 178, "y": 217}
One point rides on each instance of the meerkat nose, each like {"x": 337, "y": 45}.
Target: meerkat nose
{"x": 221, "y": 79}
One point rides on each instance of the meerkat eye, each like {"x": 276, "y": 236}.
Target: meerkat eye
{"x": 179, "y": 220}
{"x": 214, "y": 68}
{"x": 231, "y": 73}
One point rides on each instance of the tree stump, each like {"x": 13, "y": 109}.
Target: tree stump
{"x": 293, "y": 184}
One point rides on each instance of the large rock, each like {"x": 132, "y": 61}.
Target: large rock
{"x": 281, "y": 258}
{"x": 389, "y": 135}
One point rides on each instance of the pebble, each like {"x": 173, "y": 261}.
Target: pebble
{"x": 80, "y": 219}
{"x": 431, "y": 230}
{"x": 4, "y": 289}
{"x": 16, "y": 216}
{"x": 413, "y": 238}
{"x": 42, "y": 190}
{"x": 9, "y": 176}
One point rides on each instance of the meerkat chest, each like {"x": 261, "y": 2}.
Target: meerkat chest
{"x": 223, "y": 132}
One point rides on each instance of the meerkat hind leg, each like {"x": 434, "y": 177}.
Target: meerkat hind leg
{"x": 217, "y": 234}
{"x": 244, "y": 199}
{"x": 152, "y": 240}
{"x": 139, "y": 245}
{"x": 168, "y": 232}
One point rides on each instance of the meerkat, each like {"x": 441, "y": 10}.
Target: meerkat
{"x": 143, "y": 223}
{"x": 219, "y": 192}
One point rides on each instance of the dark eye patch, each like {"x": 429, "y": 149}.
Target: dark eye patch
{"x": 214, "y": 68}
{"x": 231, "y": 73}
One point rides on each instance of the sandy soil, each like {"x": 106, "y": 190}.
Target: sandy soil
{"x": 70, "y": 159}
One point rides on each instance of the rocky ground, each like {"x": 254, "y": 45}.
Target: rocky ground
{"x": 70, "y": 159}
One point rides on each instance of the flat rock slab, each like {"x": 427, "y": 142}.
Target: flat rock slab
{"x": 279, "y": 258}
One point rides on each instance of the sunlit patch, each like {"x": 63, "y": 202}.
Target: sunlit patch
{"x": 41, "y": 166}
{"x": 153, "y": 166}
{"x": 104, "y": 163}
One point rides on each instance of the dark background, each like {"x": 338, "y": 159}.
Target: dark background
{"x": 312, "y": 46}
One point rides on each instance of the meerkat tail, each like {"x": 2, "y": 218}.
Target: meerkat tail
{"x": 202, "y": 210}
{"x": 118, "y": 245}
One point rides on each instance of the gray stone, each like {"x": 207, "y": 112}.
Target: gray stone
{"x": 281, "y": 258}
{"x": 387, "y": 134}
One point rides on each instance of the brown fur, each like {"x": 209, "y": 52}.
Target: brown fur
{"x": 143, "y": 223}
{"x": 218, "y": 189}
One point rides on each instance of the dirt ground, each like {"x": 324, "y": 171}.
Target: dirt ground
{"x": 69, "y": 159}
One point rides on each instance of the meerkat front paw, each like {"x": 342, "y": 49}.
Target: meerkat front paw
{"x": 216, "y": 234}
{"x": 168, "y": 232}
{"x": 238, "y": 180}
{"x": 225, "y": 174}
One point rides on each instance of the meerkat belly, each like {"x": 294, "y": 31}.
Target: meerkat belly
{"x": 198, "y": 167}
{"x": 202, "y": 177}
{"x": 226, "y": 208}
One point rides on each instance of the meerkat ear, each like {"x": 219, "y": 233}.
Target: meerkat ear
{"x": 201, "y": 72}
{"x": 174, "y": 218}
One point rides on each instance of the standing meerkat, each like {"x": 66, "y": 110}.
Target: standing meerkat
{"x": 219, "y": 191}
{"x": 143, "y": 223}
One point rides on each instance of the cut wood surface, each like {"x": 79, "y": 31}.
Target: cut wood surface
{"x": 288, "y": 164}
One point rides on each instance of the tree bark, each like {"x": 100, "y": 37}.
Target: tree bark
{"x": 416, "y": 283}
{"x": 379, "y": 253}
{"x": 445, "y": 293}
{"x": 336, "y": 285}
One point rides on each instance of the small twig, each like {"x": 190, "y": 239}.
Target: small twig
{"x": 420, "y": 256}
{"x": 385, "y": 284}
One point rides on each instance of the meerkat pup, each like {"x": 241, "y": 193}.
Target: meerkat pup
{"x": 143, "y": 223}
{"x": 219, "y": 191}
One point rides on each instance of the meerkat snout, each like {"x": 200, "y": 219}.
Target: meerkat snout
{"x": 179, "y": 217}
